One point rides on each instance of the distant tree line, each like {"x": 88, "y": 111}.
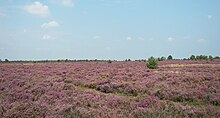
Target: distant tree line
{"x": 60, "y": 60}
{"x": 203, "y": 57}
{"x": 170, "y": 57}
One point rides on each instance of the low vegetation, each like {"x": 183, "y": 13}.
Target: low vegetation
{"x": 152, "y": 63}
{"x": 178, "y": 88}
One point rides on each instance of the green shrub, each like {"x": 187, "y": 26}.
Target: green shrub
{"x": 109, "y": 61}
{"x": 170, "y": 57}
{"x": 6, "y": 60}
{"x": 152, "y": 63}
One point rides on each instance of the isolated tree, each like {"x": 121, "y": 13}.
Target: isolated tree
{"x": 6, "y": 60}
{"x": 169, "y": 57}
{"x": 210, "y": 57}
{"x": 152, "y": 63}
{"x": 217, "y": 57}
{"x": 193, "y": 57}
{"x": 109, "y": 61}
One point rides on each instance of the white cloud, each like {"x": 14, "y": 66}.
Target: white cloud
{"x": 151, "y": 39}
{"x": 67, "y": 3}
{"x": 50, "y": 24}
{"x": 37, "y": 8}
{"x": 201, "y": 40}
{"x": 170, "y": 39}
{"x": 210, "y": 16}
{"x": 47, "y": 37}
{"x": 24, "y": 31}
{"x": 128, "y": 38}
{"x": 97, "y": 37}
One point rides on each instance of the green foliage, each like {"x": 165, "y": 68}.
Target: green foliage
{"x": 68, "y": 81}
{"x": 152, "y": 63}
{"x": 193, "y": 57}
{"x": 210, "y": 57}
{"x": 170, "y": 57}
{"x": 217, "y": 57}
{"x": 202, "y": 57}
{"x": 6, "y": 60}
{"x": 161, "y": 58}
{"x": 127, "y": 59}
{"x": 109, "y": 61}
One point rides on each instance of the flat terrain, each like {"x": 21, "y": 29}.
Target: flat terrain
{"x": 117, "y": 89}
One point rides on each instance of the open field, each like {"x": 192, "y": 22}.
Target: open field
{"x": 118, "y": 89}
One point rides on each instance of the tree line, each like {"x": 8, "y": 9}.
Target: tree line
{"x": 170, "y": 57}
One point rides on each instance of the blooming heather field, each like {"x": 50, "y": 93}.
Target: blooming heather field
{"x": 117, "y": 89}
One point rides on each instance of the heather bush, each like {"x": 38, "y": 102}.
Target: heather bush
{"x": 152, "y": 63}
{"x": 179, "y": 88}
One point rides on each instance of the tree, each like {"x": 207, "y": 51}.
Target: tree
{"x": 152, "y": 63}
{"x": 210, "y": 57}
{"x": 161, "y": 58}
{"x": 217, "y": 57}
{"x": 193, "y": 57}
{"x": 109, "y": 61}
{"x": 6, "y": 60}
{"x": 170, "y": 57}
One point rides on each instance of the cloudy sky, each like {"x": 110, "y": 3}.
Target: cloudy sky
{"x": 108, "y": 29}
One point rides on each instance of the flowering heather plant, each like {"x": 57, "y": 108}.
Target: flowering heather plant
{"x": 178, "y": 88}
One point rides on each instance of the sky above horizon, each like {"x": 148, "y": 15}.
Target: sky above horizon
{"x": 108, "y": 29}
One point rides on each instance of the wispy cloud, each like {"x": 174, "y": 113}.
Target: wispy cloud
{"x": 151, "y": 39}
{"x": 24, "y": 30}
{"x": 112, "y": 1}
{"x": 50, "y": 24}
{"x": 67, "y": 3}
{"x": 128, "y": 38}
{"x": 37, "y": 8}
{"x": 96, "y": 37}
{"x": 170, "y": 39}
{"x": 210, "y": 16}
{"x": 202, "y": 40}
{"x": 187, "y": 37}
{"x": 47, "y": 37}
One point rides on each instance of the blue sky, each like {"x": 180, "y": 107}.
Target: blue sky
{"x": 108, "y": 29}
